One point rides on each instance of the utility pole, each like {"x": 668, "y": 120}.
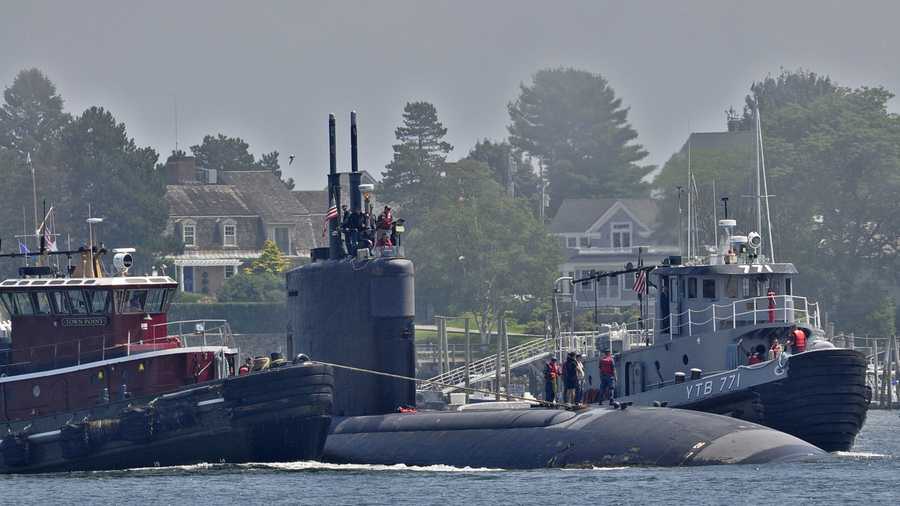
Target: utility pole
{"x": 468, "y": 358}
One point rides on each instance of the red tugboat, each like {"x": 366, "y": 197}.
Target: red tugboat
{"x": 93, "y": 376}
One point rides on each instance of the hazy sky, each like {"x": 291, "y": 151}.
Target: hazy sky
{"x": 270, "y": 72}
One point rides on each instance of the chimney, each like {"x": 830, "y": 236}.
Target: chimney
{"x": 180, "y": 170}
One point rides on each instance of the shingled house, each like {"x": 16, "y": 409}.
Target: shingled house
{"x": 224, "y": 217}
{"x": 604, "y": 235}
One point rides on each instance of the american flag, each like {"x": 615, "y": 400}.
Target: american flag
{"x": 330, "y": 215}
{"x": 640, "y": 282}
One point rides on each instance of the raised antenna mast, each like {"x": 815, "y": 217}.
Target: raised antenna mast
{"x": 765, "y": 186}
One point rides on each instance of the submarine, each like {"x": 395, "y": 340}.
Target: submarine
{"x": 354, "y": 309}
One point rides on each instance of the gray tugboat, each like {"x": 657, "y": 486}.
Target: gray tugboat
{"x": 710, "y": 350}
{"x": 709, "y": 347}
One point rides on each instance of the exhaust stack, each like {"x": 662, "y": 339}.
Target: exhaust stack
{"x": 355, "y": 176}
{"x": 335, "y": 248}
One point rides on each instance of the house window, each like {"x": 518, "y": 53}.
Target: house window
{"x": 692, "y": 288}
{"x": 229, "y": 271}
{"x": 709, "y": 288}
{"x": 189, "y": 234}
{"x": 229, "y": 234}
{"x": 621, "y": 235}
{"x": 614, "y": 288}
{"x": 583, "y": 242}
{"x": 570, "y": 242}
{"x": 283, "y": 239}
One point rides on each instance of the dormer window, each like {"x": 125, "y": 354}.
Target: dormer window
{"x": 229, "y": 234}
{"x": 621, "y": 235}
{"x": 189, "y": 233}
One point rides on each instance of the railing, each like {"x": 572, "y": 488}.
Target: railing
{"x": 486, "y": 368}
{"x": 102, "y": 347}
{"x": 751, "y": 311}
{"x": 195, "y": 333}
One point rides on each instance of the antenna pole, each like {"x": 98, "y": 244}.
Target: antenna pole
{"x": 715, "y": 217}
{"x": 33, "y": 191}
{"x": 762, "y": 159}
{"x": 689, "y": 204}
{"x": 758, "y": 177}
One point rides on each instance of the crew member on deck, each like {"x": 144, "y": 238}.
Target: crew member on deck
{"x": 383, "y": 228}
{"x": 570, "y": 378}
{"x": 607, "y": 377}
{"x": 551, "y": 373}
{"x": 771, "y": 296}
{"x": 798, "y": 344}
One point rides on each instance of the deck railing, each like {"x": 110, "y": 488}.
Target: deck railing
{"x": 788, "y": 309}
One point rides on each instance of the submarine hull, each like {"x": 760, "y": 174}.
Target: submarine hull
{"x": 538, "y": 438}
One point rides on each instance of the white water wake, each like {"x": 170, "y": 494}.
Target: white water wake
{"x": 863, "y": 455}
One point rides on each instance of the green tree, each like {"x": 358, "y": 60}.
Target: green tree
{"x": 789, "y": 88}
{"x": 103, "y": 167}
{"x": 572, "y": 121}
{"x": 271, "y": 260}
{"x": 479, "y": 250}
{"x": 419, "y": 157}
{"x": 505, "y": 163}
{"x": 252, "y": 287}
{"x": 32, "y": 117}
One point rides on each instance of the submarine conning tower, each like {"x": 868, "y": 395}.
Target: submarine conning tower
{"x": 355, "y": 309}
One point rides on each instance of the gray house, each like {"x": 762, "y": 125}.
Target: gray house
{"x": 224, "y": 218}
{"x": 604, "y": 235}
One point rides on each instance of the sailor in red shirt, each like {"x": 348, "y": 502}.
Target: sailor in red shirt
{"x": 607, "y": 377}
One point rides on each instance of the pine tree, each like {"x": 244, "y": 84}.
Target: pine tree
{"x": 418, "y": 158}
{"x": 573, "y": 123}
{"x": 31, "y": 117}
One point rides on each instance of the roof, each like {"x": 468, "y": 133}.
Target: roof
{"x": 577, "y": 215}
{"x": 265, "y": 193}
{"x": 315, "y": 201}
{"x": 206, "y": 200}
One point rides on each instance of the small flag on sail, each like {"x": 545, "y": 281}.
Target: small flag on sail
{"x": 640, "y": 282}
{"x": 330, "y": 215}
{"x": 22, "y": 248}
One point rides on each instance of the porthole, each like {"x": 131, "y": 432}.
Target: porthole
{"x": 36, "y": 391}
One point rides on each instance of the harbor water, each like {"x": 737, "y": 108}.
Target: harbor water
{"x": 870, "y": 473}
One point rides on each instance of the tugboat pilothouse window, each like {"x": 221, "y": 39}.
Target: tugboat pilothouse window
{"x": 23, "y": 304}
{"x": 692, "y": 288}
{"x": 155, "y": 300}
{"x": 99, "y": 301}
{"x": 43, "y": 303}
{"x": 79, "y": 305}
{"x": 60, "y": 302}
{"x": 132, "y": 301}
{"x": 709, "y": 288}
{"x": 731, "y": 288}
{"x": 9, "y": 303}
